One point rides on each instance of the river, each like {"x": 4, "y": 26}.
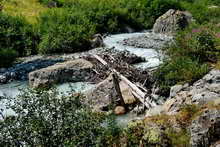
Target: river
{"x": 151, "y": 54}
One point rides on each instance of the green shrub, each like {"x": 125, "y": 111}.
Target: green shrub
{"x": 201, "y": 11}
{"x": 7, "y": 57}
{"x": 112, "y": 16}
{"x": 192, "y": 49}
{"x": 198, "y": 43}
{"x": 178, "y": 71}
{"x": 17, "y": 34}
{"x": 63, "y": 31}
{"x": 69, "y": 28}
{"x": 48, "y": 118}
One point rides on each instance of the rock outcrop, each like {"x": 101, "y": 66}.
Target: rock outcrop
{"x": 70, "y": 71}
{"x": 104, "y": 96}
{"x": 20, "y": 71}
{"x": 205, "y": 130}
{"x": 172, "y": 21}
{"x": 201, "y": 92}
{"x": 148, "y": 40}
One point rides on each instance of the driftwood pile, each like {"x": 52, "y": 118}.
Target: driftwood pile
{"x": 122, "y": 63}
{"x": 138, "y": 91}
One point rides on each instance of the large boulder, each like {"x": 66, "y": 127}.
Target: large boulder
{"x": 205, "y": 130}
{"x": 201, "y": 92}
{"x": 172, "y": 21}
{"x": 70, "y": 71}
{"x": 104, "y": 97}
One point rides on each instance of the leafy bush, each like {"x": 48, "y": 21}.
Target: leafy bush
{"x": 48, "y": 118}
{"x": 178, "y": 70}
{"x": 198, "y": 43}
{"x": 63, "y": 31}
{"x": 189, "y": 56}
{"x": 69, "y": 28}
{"x": 112, "y": 16}
{"x": 7, "y": 57}
{"x": 17, "y": 34}
{"x": 201, "y": 11}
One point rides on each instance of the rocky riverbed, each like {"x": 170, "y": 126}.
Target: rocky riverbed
{"x": 148, "y": 52}
{"x": 125, "y": 58}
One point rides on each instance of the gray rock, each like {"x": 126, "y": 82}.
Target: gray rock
{"x": 97, "y": 41}
{"x": 102, "y": 95}
{"x": 172, "y": 21}
{"x": 3, "y": 78}
{"x": 20, "y": 71}
{"x": 175, "y": 89}
{"x": 148, "y": 40}
{"x": 69, "y": 71}
{"x": 13, "y": 75}
{"x": 202, "y": 91}
{"x": 204, "y": 97}
{"x": 205, "y": 130}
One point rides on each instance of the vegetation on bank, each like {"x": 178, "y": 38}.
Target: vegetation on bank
{"x": 163, "y": 129}
{"x": 49, "y": 118}
{"x": 63, "y": 26}
{"x": 195, "y": 50}
{"x": 191, "y": 55}
{"x": 45, "y": 117}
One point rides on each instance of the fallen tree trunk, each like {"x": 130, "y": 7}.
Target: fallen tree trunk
{"x": 139, "y": 94}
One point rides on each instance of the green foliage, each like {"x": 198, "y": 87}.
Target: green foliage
{"x": 48, "y": 2}
{"x": 7, "y": 57}
{"x": 111, "y": 133}
{"x": 189, "y": 55}
{"x": 112, "y": 16}
{"x": 134, "y": 133}
{"x": 178, "y": 70}
{"x": 198, "y": 43}
{"x": 17, "y": 34}
{"x": 63, "y": 31}
{"x": 69, "y": 28}
{"x": 201, "y": 11}
{"x": 179, "y": 138}
{"x": 49, "y": 118}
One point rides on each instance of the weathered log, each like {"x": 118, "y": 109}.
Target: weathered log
{"x": 101, "y": 60}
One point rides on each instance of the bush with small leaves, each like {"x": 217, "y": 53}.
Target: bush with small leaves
{"x": 45, "y": 118}
{"x": 17, "y": 34}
